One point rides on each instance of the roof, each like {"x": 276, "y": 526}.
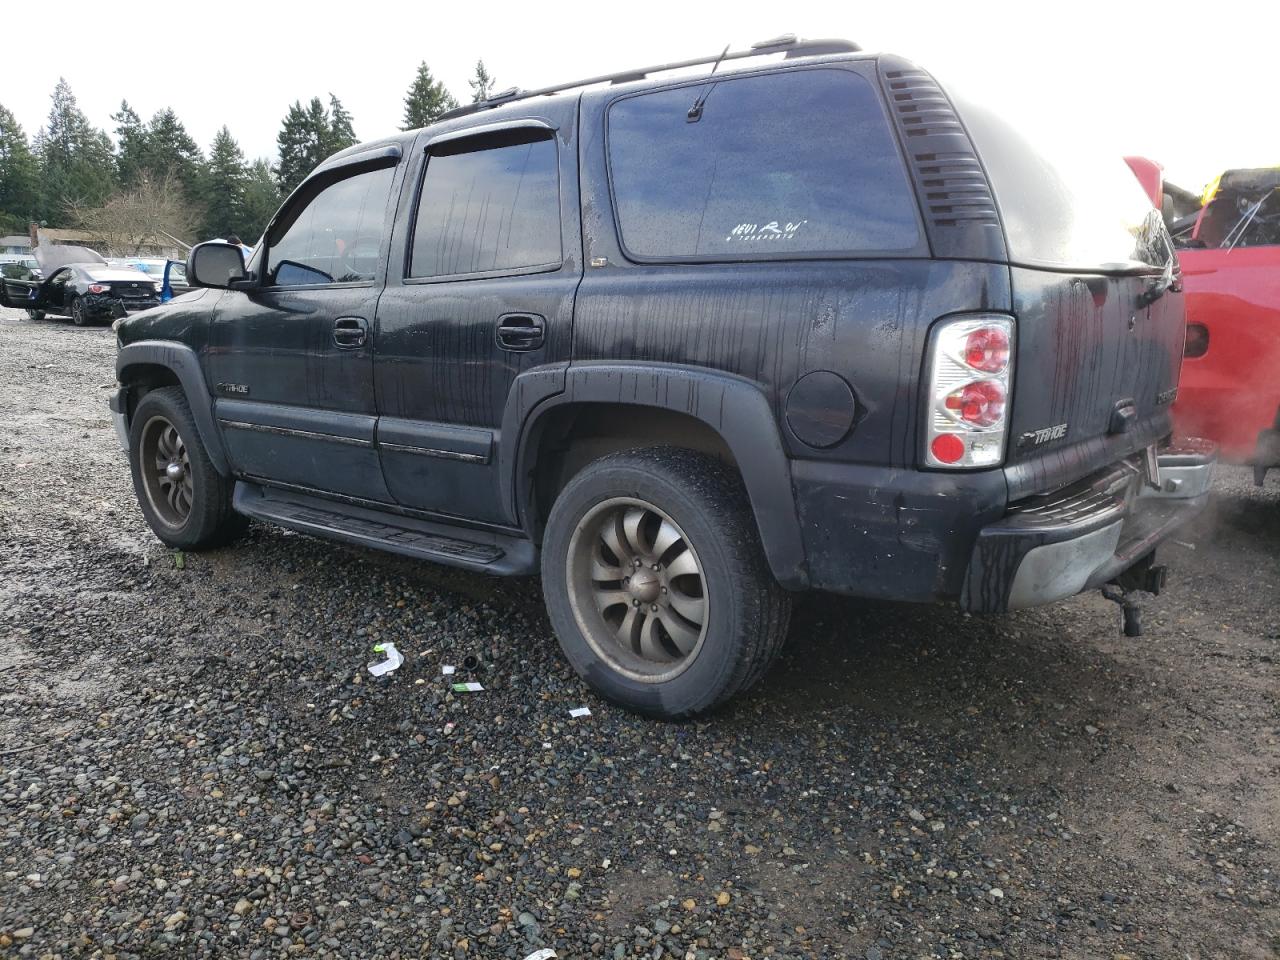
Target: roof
{"x": 15, "y": 240}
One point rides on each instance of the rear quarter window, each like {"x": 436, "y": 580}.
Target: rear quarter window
{"x": 793, "y": 164}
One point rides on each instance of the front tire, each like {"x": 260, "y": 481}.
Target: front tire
{"x": 656, "y": 583}
{"x": 186, "y": 502}
{"x": 36, "y": 314}
{"x": 78, "y": 315}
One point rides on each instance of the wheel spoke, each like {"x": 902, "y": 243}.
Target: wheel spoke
{"x": 683, "y": 565}
{"x": 611, "y": 534}
{"x": 682, "y": 635}
{"x": 628, "y": 630}
{"x": 631, "y": 521}
{"x": 602, "y": 571}
{"x": 651, "y": 647}
{"x": 693, "y": 609}
{"x": 667, "y": 536}
{"x": 171, "y": 494}
{"x": 605, "y": 599}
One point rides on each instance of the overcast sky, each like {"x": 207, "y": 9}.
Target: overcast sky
{"x": 1193, "y": 85}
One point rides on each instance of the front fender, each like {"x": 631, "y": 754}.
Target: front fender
{"x": 734, "y": 407}
{"x": 185, "y": 365}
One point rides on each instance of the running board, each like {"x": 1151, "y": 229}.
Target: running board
{"x": 483, "y": 550}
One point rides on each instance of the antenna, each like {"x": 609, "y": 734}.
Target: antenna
{"x": 695, "y": 112}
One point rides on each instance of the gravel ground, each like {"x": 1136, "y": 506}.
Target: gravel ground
{"x": 194, "y": 761}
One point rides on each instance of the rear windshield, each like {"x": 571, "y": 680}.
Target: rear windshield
{"x": 797, "y": 163}
{"x": 1065, "y": 203}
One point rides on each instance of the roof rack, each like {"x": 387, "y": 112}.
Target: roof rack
{"x": 788, "y": 44}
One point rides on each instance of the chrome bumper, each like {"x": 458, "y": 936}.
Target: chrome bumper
{"x": 1055, "y": 546}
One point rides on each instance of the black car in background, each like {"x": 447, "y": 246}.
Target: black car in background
{"x": 78, "y": 283}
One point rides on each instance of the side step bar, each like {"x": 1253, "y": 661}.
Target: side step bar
{"x": 483, "y": 550}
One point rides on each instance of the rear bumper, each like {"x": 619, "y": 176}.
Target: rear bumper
{"x": 1054, "y": 546}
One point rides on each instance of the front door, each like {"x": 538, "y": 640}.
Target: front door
{"x": 485, "y": 266}
{"x": 290, "y": 360}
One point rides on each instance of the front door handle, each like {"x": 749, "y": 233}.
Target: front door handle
{"x": 350, "y": 332}
{"x": 521, "y": 331}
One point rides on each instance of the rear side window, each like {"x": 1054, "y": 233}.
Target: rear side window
{"x": 800, "y": 163}
{"x": 337, "y": 236}
{"x": 488, "y": 206}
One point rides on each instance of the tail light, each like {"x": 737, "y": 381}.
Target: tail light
{"x": 1197, "y": 343}
{"x": 970, "y": 370}
{"x": 99, "y": 288}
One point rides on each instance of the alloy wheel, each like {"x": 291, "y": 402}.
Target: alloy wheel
{"x": 166, "y": 472}
{"x": 637, "y": 589}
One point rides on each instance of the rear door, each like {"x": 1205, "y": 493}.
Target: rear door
{"x": 480, "y": 288}
{"x": 291, "y": 360}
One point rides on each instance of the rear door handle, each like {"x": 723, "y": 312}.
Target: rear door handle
{"x": 350, "y": 332}
{"x": 521, "y": 331}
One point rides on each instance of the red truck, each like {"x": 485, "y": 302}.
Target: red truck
{"x": 1229, "y": 251}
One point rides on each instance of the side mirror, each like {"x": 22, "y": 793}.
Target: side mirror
{"x": 215, "y": 264}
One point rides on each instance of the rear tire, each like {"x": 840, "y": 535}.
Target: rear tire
{"x": 656, "y": 583}
{"x": 186, "y": 502}
{"x": 78, "y": 315}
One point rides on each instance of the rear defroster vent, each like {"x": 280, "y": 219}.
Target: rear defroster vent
{"x": 954, "y": 192}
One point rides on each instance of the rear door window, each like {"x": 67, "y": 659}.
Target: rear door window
{"x": 798, "y": 163}
{"x": 489, "y": 206}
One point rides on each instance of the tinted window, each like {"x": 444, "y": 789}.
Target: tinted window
{"x": 789, "y": 163}
{"x": 488, "y": 207}
{"x": 336, "y": 238}
{"x": 1066, "y": 200}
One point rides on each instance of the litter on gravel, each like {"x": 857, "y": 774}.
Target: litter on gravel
{"x": 580, "y": 712}
{"x": 394, "y": 659}
{"x": 470, "y": 687}
{"x": 448, "y": 670}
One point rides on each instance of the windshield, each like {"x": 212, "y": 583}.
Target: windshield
{"x": 1065, "y": 202}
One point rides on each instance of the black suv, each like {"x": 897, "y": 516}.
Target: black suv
{"x": 686, "y": 346}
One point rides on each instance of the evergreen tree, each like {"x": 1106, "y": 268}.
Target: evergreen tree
{"x": 342, "y": 132}
{"x": 19, "y": 175}
{"x": 223, "y": 187}
{"x": 171, "y": 152}
{"x": 426, "y": 100}
{"x": 298, "y": 148}
{"x": 131, "y": 144}
{"x": 482, "y": 85}
{"x": 77, "y": 167}
{"x": 309, "y": 135}
{"x": 261, "y": 198}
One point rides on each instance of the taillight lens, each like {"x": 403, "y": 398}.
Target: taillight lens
{"x": 1197, "y": 344}
{"x": 987, "y": 349}
{"x": 98, "y": 288}
{"x": 970, "y": 370}
{"x": 980, "y": 403}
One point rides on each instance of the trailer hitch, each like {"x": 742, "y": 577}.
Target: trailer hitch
{"x": 1145, "y": 576}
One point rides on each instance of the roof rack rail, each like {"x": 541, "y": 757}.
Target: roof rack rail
{"x": 787, "y": 44}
